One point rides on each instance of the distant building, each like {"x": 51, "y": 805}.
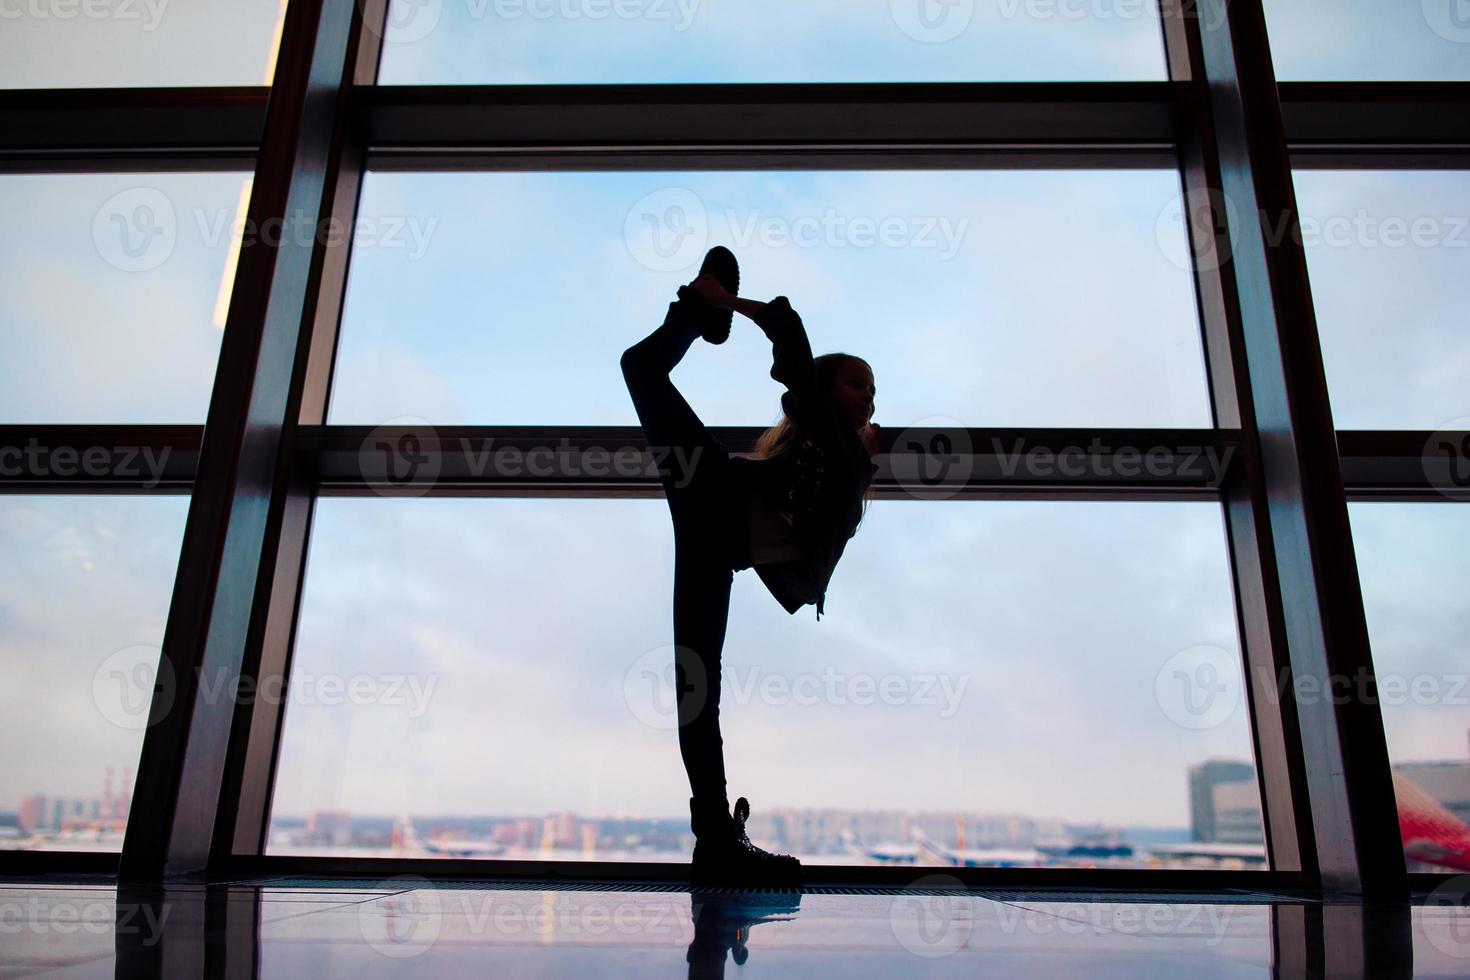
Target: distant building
{"x": 55, "y": 813}
{"x": 1237, "y": 807}
{"x": 329, "y": 826}
{"x": 1224, "y": 803}
{"x": 32, "y": 814}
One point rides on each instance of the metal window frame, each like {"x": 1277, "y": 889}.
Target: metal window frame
{"x": 256, "y": 468}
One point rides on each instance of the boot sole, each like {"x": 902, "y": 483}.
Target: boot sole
{"x": 720, "y": 262}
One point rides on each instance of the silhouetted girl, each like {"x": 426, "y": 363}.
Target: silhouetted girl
{"x": 788, "y": 513}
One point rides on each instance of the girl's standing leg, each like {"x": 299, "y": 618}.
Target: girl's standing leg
{"x": 695, "y": 473}
{"x": 701, "y": 610}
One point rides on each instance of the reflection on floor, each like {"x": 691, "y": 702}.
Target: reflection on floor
{"x": 409, "y": 926}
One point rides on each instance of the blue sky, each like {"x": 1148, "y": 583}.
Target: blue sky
{"x": 1056, "y": 298}
{"x": 228, "y": 42}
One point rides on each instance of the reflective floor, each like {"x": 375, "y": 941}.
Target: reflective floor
{"x": 408, "y": 926}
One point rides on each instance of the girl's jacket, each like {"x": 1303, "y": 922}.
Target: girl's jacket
{"x": 821, "y": 480}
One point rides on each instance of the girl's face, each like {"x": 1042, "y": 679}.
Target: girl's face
{"x": 854, "y": 390}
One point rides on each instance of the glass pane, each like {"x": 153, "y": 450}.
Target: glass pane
{"x": 1389, "y": 257}
{"x": 1414, "y": 562}
{"x": 84, "y": 593}
{"x": 944, "y": 693}
{"x": 609, "y": 41}
{"x": 128, "y": 43}
{"x": 1056, "y": 298}
{"x": 1369, "y": 40}
{"x": 116, "y": 290}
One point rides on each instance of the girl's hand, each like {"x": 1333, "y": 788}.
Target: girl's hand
{"x": 709, "y": 287}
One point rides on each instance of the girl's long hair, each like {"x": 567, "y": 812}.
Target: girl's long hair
{"x": 779, "y": 439}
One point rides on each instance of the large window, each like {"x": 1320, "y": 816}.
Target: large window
{"x": 84, "y": 592}
{"x": 116, "y": 43}
{"x": 508, "y": 298}
{"x": 1362, "y": 40}
{"x": 1042, "y": 664}
{"x": 949, "y": 691}
{"x": 118, "y": 290}
{"x": 592, "y": 41}
{"x": 1413, "y": 562}
{"x": 1389, "y": 253}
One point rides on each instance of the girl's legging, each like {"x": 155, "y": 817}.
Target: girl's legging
{"x": 707, "y": 490}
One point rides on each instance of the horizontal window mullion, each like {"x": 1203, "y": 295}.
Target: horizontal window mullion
{"x": 923, "y": 463}
{"x": 105, "y": 458}
{"x": 1327, "y": 124}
